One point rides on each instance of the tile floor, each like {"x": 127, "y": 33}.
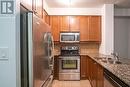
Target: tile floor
{"x": 82, "y": 83}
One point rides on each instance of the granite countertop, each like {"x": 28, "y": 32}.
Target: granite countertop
{"x": 122, "y": 71}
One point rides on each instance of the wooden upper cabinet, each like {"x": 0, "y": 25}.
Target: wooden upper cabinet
{"x": 69, "y": 23}
{"x": 84, "y": 28}
{"x": 64, "y": 23}
{"x": 38, "y": 7}
{"x": 74, "y": 23}
{"x": 90, "y": 28}
{"x": 94, "y": 28}
{"x": 46, "y": 17}
{"x": 54, "y": 23}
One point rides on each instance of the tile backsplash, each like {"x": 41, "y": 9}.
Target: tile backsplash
{"x": 57, "y": 49}
{"x": 85, "y": 48}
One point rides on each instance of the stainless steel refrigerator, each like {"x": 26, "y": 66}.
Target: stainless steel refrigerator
{"x": 36, "y": 50}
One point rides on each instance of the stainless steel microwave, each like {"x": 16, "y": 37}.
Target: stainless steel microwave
{"x": 69, "y": 37}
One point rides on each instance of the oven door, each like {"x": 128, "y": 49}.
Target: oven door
{"x": 69, "y": 64}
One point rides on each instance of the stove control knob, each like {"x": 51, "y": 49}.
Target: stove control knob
{"x": 73, "y": 48}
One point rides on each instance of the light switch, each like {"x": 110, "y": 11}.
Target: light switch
{"x": 4, "y": 53}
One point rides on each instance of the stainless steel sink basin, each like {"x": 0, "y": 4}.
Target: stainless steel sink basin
{"x": 118, "y": 62}
{"x": 98, "y": 58}
{"x": 112, "y": 62}
{"x": 115, "y": 62}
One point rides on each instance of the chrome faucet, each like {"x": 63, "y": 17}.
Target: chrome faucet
{"x": 115, "y": 55}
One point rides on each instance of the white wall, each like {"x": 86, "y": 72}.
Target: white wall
{"x": 9, "y": 30}
{"x": 107, "y": 44}
{"x": 45, "y": 6}
{"x": 121, "y": 36}
{"x": 74, "y": 11}
{"x": 122, "y": 12}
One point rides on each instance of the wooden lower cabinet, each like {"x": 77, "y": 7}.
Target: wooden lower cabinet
{"x": 95, "y": 73}
{"x": 100, "y": 76}
{"x": 92, "y": 70}
{"x": 83, "y": 70}
{"x": 56, "y": 67}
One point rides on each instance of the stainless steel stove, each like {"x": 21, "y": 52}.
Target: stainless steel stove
{"x": 69, "y": 63}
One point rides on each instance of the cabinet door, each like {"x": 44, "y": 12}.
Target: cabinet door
{"x": 83, "y": 73}
{"x": 27, "y": 4}
{"x": 95, "y": 28}
{"x": 100, "y": 76}
{"x": 46, "y": 17}
{"x": 84, "y": 28}
{"x": 56, "y": 67}
{"x": 74, "y": 23}
{"x": 88, "y": 69}
{"x": 54, "y": 22}
{"x": 64, "y": 24}
{"x": 38, "y": 7}
{"x": 94, "y": 71}
{"x": 69, "y": 23}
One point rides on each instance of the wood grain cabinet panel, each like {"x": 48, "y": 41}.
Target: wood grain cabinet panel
{"x": 83, "y": 73}
{"x": 46, "y": 17}
{"x": 69, "y": 23}
{"x": 90, "y": 28}
{"x": 94, "y": 28}
{"x": 95, "y": 73}
{"x": 64, "y": 23}
{"x": 56, "y": 67}
{"x": 54, "y": 23}
{"x": 100, "y": 76}
{"x": 84, "y": 28}
{"x": 74, "y": 23}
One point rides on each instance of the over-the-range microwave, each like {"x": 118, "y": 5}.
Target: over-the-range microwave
{"x": 67, "y": 37}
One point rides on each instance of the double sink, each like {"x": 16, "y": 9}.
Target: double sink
{"x": 109, "y": 60}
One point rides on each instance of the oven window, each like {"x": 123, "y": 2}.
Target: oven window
{"x": 69, "y": 64}
{"x": 68, "y": 37}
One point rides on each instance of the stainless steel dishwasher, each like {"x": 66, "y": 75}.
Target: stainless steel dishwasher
{"x": 110, "y": 80}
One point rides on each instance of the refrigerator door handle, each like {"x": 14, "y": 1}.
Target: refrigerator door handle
{"x": 51, "y": 58}
{"x": 30, "y": 48}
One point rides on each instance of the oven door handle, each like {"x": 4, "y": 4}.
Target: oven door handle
{"x": 70, "y": 58}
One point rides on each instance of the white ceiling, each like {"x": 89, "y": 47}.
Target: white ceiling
{"x": 87, "y": 3}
